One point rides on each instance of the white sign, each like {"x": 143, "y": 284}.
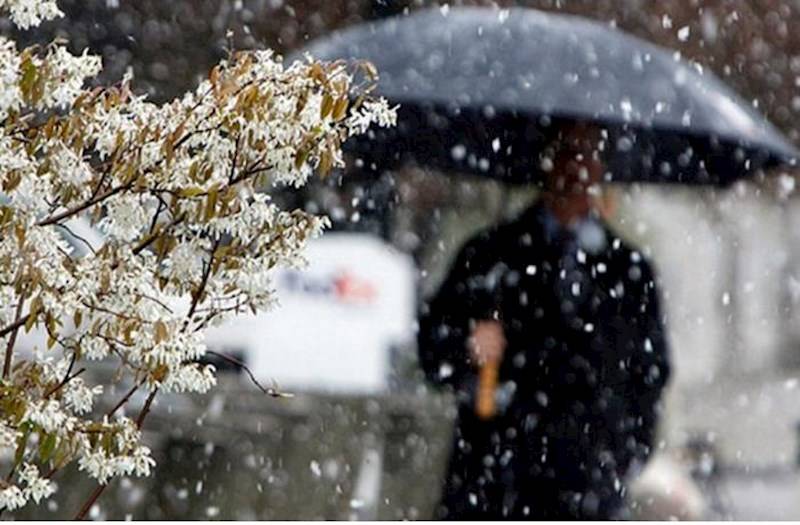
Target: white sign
{"x": 337, "y": 319}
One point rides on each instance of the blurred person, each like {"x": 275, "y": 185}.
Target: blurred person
{"x": 564, "y": 317}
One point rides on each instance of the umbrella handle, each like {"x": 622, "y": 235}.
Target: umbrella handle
{"x": 485, "y": 405}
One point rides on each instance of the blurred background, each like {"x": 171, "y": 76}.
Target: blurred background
{"x": 364, "y": 437}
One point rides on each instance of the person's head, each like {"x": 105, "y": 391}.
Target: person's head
{"x": 574, "y": 172}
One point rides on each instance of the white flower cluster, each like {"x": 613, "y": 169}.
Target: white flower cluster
{"x": 48, "y": 415}
{"x": 128, "y": 458}
{"x": 66, "y": 76}
{"x": 184, "y": 236}
{"x": 36, "y": 488}
{"x": 79, "y": 397}
{"x": 30, "y": 13}
{"x": 10, "y": 93}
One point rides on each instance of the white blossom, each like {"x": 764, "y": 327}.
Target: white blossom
{"x": 79, "y": 397}
{"x": 37, "y": 488}
{"x": 98, "y": 465}
{"x": 125, "y": 219}
{"x": 47, "y": 414}
{"x": 68, "y": 73}
{"x": 376, "y": 111}
{"x": 10, "y": 94}
{"x": 12, "y": 498}
{"x": 30, "y": 13}
{"x": 142, "y": 462}
{"x": 190, "y": 378}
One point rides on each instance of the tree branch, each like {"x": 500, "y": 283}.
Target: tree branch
{"x": 69, "y": 231}
{"x": 13, "y": 326}
{"x": 146, "y": 408}
{"x": 162, "y": 205}
{"x": 201, "y": 289}
{"x": 80, "y": 207}
{"x": 67, "y": 377}
{"x": 87, "y": 506}
{"x": 63, "y": 383}
{"x": 13, "y": 339}
{"x": 272, "y": 392}
{"x": 233, "y": 163}
{"x": 150, "y": 239}
{"x": 124, "y": 399}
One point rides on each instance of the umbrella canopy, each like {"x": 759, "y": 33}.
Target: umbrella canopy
{"x": 483, "y": 90}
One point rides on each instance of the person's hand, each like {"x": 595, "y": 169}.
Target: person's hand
{"x": 487, "y": 342}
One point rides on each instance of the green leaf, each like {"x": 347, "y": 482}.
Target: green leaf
{"x": 191, "y": 192}
{"x": 327, "y": 106}
{"x": 28, "y": 80}
{"x": 47, "y": 445}
{"x": 22, "y": 443}
{"x": 161, "y": 332}
{"x": 36, "y": 307}
{"x": 301, "y": 157}
{"x": 211, "y": 203}
{"x": 340, "y": 108}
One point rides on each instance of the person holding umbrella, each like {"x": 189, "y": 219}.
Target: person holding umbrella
{"x": 564, "y": 317}
{"x": 549, "y": 327}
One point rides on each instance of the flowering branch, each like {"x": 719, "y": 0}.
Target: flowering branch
{"x": 179, "y": 196}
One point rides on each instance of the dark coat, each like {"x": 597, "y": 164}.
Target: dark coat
{"x": 581, "y": 377}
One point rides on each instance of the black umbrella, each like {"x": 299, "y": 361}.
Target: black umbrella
{"x": 482, "y": 90}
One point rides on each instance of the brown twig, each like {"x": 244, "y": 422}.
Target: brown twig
{"x": 87, "y": 506}
{"x": 63, "y": 383}
{"x": 82, "y": 206}
{"x": 202, "y": 288}
{"x": 235, "y": 158}
{"x": 13, "y": 339}
{"x": 118, "y": 315}
{"x": 272, "y": 392}
{"x": 83, "y": 240}
{"x": 146, "y": 408}
{"x": 67, "y": 377}
{"x": 162, "y": 205}
{"x": 158, "y": 302}
{"x": 151, "y": 238}
{"x": 13, "y": 326}
{"x": 125, "y": 399}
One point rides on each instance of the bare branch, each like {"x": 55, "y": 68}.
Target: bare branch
{"x": 84, "y": 205}
{"x": 233, "y": 162}
{"x": 87, "y": 506}
{"x": 69, "y": 231}
{"x": 272, "y": 392}
{"x": 158, "y": 302}
{"x": 13, "y": 326}
{"x": 63, "y": 383}
{"x": 125, "y": 399}
{"x": 162, "y": 205}
{"x": 146, "y": 408}
{"x": 202, "y": 287}
{"x": 13, "y": 339}
{"x": 150, "y": 239}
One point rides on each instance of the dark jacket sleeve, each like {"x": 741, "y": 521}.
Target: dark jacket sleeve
{"x": 466, "y": 295}
{"x": 650, "y": 367}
